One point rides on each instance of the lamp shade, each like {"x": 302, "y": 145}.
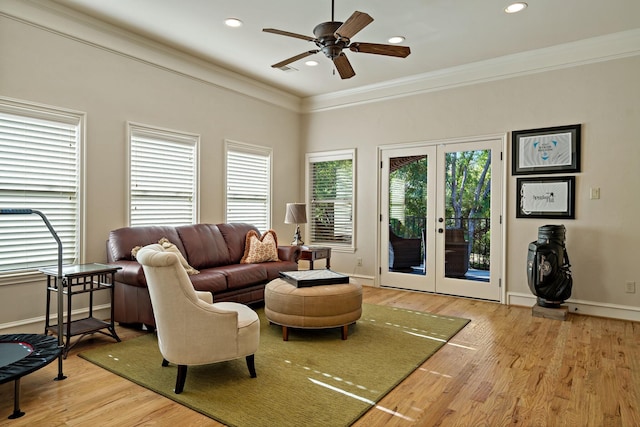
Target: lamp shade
{"x": 296, "y": 213}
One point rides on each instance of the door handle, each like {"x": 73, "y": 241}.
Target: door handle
{"x": 440, "y": 230}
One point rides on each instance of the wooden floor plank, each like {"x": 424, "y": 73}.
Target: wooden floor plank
{"x": 506, "y": 367}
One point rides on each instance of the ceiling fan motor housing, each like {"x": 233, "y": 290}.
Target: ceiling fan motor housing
{"x": 327, "y": 41}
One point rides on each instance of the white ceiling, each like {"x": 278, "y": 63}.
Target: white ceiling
{"x": 441, "y": 33}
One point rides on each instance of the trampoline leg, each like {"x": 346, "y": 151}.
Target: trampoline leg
{"x": 16, "y": 401}
{"x": 60, "y": 376}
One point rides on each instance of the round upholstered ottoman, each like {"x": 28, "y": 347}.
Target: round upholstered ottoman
{"x": 314, "y": 307}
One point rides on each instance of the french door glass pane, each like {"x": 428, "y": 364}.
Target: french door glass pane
{"x": 468, "y": 214}
{"x": 407, "y": 214}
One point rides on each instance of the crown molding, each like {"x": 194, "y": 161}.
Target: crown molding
{"x": 587, "y": 51}
{"x": 60, "y": 20}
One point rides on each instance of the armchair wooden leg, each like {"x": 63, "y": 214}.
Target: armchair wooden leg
{"x": 182, "y": 376}
{"x": 251, "y": 365}
{"x": 345, "y": 331}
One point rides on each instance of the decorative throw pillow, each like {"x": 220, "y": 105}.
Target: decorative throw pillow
{"x": 134, "y": 251}
{"x": 260, "y": 249}
{"x": 170, "y": 247}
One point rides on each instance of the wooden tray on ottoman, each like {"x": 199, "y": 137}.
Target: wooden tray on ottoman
{"x": 307, "y": 278}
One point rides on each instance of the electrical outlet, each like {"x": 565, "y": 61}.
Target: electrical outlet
{"x": 630, "y": 288}
{"x": 359, "y": 262}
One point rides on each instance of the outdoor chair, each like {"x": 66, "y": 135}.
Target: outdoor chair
{"x": 404, "y": 253}
{"x": 456, "y": 253}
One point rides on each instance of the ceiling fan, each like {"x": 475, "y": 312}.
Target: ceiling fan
{"x": 334, "y": 36}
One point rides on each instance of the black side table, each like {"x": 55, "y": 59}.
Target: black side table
{"x": 312, "y": 253}
{"x": 79, "y": 279}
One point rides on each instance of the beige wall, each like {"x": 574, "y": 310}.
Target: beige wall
{"x": 43, "y": 67}
{"x": 603, "y": 97}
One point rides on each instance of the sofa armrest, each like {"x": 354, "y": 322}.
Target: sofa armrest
{"x": 289, "y": 253}
{"x": 130, "y": 274}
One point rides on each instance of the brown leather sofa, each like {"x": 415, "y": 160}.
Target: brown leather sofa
{"x": 213, "y": 249}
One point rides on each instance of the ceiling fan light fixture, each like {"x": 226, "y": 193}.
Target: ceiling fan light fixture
{"x": 233, "y": 22}
{"x": 396, "y": 39}
{"x": 516, "y": 7}
{"x": 311, "y": 63}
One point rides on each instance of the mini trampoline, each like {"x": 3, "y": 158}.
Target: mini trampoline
{"x": 22, "y": 354}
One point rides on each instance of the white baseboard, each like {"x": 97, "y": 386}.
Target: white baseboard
{"x": 590, "y": 308}
{"x": 35, "y": 325}
{"x": 361, "y": 279}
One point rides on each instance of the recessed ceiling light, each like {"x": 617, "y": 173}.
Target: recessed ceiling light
{"x": 233, "y": 22}
{"x": 396, "y": 39}
{"x": 311, "y": 63}
{"x": 515, "y": 7}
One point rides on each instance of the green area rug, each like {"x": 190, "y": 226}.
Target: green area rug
{"x": 314, "y": 379}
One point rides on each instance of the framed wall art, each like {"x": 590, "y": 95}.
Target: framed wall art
{"x": 546, "y": 197}
{"x": 546, "y": 150}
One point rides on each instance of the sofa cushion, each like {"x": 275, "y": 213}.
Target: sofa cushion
{"x": 273, "y": 269}
{"x": 234, "y": 234}
{"x": 170, "y": 247}
{"x": 260, "y": 249}
{"x": 241, "y": 275}
{"x": 209, "y": 280}
{"x": 122, "y": 240}
{"x": 204, "y": 245}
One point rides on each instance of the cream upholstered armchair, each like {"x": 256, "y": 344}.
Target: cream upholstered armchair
{"x": 191, "y": 329}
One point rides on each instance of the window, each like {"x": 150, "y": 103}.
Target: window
{"x": 330, "y": 178}
{"x": 163, "y": 176}
{"x": 248, "y": 184}
{"x": 39, "y": 169}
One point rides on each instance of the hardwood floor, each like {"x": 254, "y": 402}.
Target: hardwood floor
{"x": 505, "y": 367}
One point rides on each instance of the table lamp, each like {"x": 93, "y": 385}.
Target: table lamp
{"x": 296, "y": 214}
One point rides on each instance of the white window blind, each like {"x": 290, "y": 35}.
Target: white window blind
{"x": 163, "y": 176}
{"x": 39, "y": 169}
{"x": 331, "y": 184}
{"x": 248, "y": 185}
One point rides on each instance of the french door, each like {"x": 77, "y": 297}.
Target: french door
{"x": 440, "y": 217}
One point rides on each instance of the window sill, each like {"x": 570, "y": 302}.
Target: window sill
{"x": 20, "y": 277}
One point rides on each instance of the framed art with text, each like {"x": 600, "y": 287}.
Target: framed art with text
{"x": 546, "y": 197}
{"x": 546, "y": 150}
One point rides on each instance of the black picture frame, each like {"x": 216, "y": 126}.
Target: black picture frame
{"x": 546, "y": 150}
{"x": 546, "y": 197}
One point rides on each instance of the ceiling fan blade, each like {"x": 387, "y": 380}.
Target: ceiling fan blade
{"x": 343, "y": 66}
{"x": 356, "y": 22}
{"x": 288, "y": 34}
{"x": 294, "y": 58}
{"x": 381, "y": 49}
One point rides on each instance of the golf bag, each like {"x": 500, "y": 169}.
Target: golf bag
{"x": 548, "y": 267}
